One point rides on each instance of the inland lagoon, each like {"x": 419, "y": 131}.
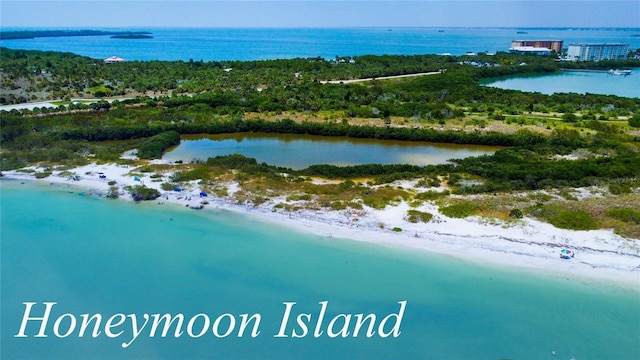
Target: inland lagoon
{"x": 301, "y": 151}
{"x": 580, "y": 82}
{"x": 94, "y": 256}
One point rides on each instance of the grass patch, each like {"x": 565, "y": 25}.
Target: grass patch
{"x": 60, "y": 102}
{"x": 167, "y": 186}
{"x": 568, "y": 195}
{"x": 42, "y": 175}
{"x": 199, "y": 173}
{"x": 619, "y": 189}
{"x": 299, "y": 197}
{"x": 564, "y": 218}
{"x": 432, "y": 195}
{"x": 381, "y": 197}
{"x": 540, "y": 196}
{"x": 460, "y": 210}
{"x": 415, "y": 216}
{"x": 626, "y": 215}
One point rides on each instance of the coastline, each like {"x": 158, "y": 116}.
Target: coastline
{"x": 529, "y": 245}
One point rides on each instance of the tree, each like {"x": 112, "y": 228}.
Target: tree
{"x": 569, "y": 117}
{"x": 635, "y": 121}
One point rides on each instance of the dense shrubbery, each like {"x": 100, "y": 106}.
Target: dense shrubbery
{"x": 141, "y": 192}
{"x": 415, "y": 216}
{"x": 635, "y": 121}
{"x": 564, "y": 218}
{"x": 154, "y": 146}
{"x": 626, "y": 215}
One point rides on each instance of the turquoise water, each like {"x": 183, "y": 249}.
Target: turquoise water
{"x": 259, "y": 44}
{"x": 92, "y": 256}
{"x": 580, "y": 82}
{"x": 300, "y": 151}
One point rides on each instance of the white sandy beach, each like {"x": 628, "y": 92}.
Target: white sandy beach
{"x": 601, "y": 255}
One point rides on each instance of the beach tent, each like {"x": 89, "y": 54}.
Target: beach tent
{"x": 135, "y": 178}
{"x": 203, "y": 194}
{"x": 566, "y": 254}
{"x": 177, "y": 188}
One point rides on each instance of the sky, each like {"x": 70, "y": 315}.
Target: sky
{"x": 318, "y": 13}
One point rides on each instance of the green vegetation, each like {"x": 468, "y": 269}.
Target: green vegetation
{"x": 43, "y": 174}
{"x": 516, "y": 214}
{"x": 113, "y": 192}
{"x": 626, "y": 215}
{"x": 415, "y": 216}
{"x": 460, "y": 209}
{"x": 153, "y": 147}
{"x": 141, "y": 193}
{"x": 634, "y": 121}
{"x": 565, "y": 218}
{"x": 552, "y": 143}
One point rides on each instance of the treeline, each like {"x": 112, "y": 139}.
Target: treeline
{"x": 95, "y": 128}
{"x": 155, "y": 146}
{"x": 66, "y": 75}
{"x": 236, "y": 87}
{"x": 600, "y": 65}
{"x": 520, "y": 169}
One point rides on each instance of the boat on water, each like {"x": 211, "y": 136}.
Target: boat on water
{"x": 619, "y": 72}
{"x": 566, "y": 254}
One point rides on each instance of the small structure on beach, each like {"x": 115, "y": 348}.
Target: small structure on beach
{"x": 566, "y": 254}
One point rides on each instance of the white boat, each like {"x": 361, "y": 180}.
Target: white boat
{"x": 619, "y": 72}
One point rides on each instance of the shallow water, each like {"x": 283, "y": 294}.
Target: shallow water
{"x": 92, "y": 256}
{"x": 301, "y": 151}
{"x": 580, "y": 82}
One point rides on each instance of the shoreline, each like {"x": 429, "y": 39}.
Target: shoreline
{"x": 529, "y": 245}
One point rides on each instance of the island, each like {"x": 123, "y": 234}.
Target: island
{"x": 132, "y": 36}
{"x": 565, "y": 176}
{"x": 32, "y": 34}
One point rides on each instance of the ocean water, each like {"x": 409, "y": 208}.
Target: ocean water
{"x": 216, "y": 44}
{"x": 93, "y": 255}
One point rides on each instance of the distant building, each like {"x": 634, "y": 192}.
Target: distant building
{"x": 555, "y": 45}
{"x": 530, "y": 50}
{"x": 596, "y": 52}
{"x": 113, "y": 59}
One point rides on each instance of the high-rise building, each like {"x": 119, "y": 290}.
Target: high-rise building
{"x": 553, "y": 45}
{"x": 596, "y": 52}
